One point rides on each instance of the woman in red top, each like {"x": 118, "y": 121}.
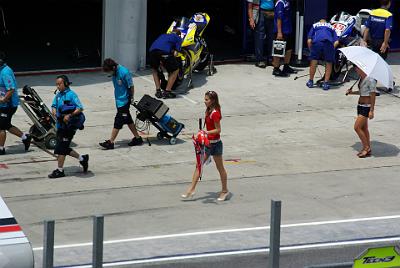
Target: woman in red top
{"x": 213, "y": 125}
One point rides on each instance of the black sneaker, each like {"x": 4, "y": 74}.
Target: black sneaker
{"x": 85, "y": 163}
{"x": 108, "y": 145}
{"x": 261, "y": 64}
{"x": 3, "y": 152}
{"x": 278, "y": 73}
{"x": 289, "y": 70}
{"x": 27, "y": 142}
{"x": 56, "y": 174}
{"x": 136, "y": 141}
{"x": 159, "y": 94}
{"x": 168, "y": 95}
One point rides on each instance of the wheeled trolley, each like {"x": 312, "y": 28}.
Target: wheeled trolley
{"x": 153, "y": 111}
{"x": 44, "y": 123}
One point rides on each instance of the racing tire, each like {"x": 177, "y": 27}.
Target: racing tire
{"x": 204, "y": 62}
{"x": 340, "y": 62}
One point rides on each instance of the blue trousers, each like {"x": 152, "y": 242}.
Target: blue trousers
{"x": 263, "y": 37}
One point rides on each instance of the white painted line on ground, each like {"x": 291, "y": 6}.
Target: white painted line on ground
{"x": 189, "y": 99}
{"x": 250, "y": 229}
{"x": 152, "y": 82}
{"x": 243, "y": 252}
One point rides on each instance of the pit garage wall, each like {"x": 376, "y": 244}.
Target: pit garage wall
{"x": 124, "y": 32}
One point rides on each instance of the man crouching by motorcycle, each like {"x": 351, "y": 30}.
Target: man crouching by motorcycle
{"x": 164, "y": 50}
{"x": 67, "y": 108}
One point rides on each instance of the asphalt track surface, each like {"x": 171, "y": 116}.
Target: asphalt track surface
{"x": 282, "y": 142}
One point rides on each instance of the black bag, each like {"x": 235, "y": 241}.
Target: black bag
{"x": 152, "y": 106}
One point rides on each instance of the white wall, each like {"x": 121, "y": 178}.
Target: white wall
{"x": 124, "y": 32}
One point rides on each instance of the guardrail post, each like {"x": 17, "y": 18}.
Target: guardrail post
{"x": 98, "y": 238}
{"x": 48, "y": 244}
{"x": 275, "y": 234}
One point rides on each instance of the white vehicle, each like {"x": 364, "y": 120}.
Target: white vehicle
{"x": 15, "y": 249}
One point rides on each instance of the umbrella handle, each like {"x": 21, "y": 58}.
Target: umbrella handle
{"x": 200, "y": 124}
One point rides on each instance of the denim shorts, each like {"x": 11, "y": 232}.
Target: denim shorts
{"x": 215, "y": 148}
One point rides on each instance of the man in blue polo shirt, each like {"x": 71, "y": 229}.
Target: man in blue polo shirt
{"x": 378, "y": 29}
{"x": 163, "y": 50}
{"x": 66, "y": 99}
{"x": 123, "y": 92}
{"x": 9, "y": 101}
{"x": 322, "y": 40}
{"x": 261, "y": 19}
{"x": 284, "y": 31}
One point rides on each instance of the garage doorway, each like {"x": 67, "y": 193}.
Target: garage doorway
{"x": 50, "y": 34}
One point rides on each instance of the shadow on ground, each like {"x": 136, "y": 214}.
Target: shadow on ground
{"x": 380, "y": 149}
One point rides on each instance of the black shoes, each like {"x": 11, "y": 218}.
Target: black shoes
{"x": 168, "y": 95}
{"x": 108, "y": 145}
{"x": 278, "y": 73}
{"x": 285, "y": 72}
{"x": 59, "y": 174}
{"x": 261, "y": 65}
{"x": 85, "y": 163}
{"x": 136, "y": 142}
{"x": 289, "y": 70}
{"x": 56, "y": 174}
{"x": 159, "y": 94}
{"x": 164, "y": 94}
{"x": 27, "y": 142}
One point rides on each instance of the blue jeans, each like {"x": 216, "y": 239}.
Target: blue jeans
{"x": 263, "y": 37}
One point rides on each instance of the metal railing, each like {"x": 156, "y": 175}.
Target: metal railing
{"x": 98, "y": 241}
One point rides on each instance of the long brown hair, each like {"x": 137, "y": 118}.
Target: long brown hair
{"x": 213, "y": 96}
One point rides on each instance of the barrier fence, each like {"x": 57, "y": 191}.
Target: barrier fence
{"x": 98, "y": 241}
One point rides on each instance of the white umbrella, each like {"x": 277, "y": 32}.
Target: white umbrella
{"x": 370, "y": 63}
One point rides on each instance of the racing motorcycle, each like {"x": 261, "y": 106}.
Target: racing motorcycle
{"x": 350, "y": 30}
{"x": 194, "y": 54}
{"x": 345, "y": 27}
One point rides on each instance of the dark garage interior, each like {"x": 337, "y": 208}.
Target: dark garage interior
{"x": 51, "y": 34}
{"x": 350, "y": 6}
{"x": 64, "y": 34}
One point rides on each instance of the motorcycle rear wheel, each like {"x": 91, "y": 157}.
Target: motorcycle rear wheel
{"x": 341, "y": 61}
{"x": 204, "y": 60}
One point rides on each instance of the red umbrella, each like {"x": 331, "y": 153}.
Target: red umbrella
{"x": 200, "y": 141}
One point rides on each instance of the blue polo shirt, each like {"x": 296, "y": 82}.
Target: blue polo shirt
{"x": 322, "y": 31}
{"x": 8, "y": 82}
{"x": 379, "y": 21}
{"x": 67, "y": 96}
{"x": 267, "y": 5}
{"x": 282, "y": 11}
{"x": 167, "y": 43}
{"x": 122, "y": 81}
